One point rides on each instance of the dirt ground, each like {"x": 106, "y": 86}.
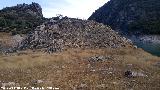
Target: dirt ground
{"x": 78, "y": 69}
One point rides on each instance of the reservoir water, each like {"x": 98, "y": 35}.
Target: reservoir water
{"x": 151, "y": 47}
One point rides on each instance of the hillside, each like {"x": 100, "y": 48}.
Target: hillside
{"x": 130, "y": 16}
{"x": 64, "y": 53}
{"x": 82, "y": 69}
{"x": 20, "y": 19}
{"x": 59, "y": 34}
{"x": 70, "y": 54}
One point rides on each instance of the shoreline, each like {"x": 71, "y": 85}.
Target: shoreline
{"x": 150, "y": 38}
{"x": 155, "y": 39}
{"x": 149, "y": 43}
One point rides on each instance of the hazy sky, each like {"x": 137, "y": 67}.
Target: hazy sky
{"x": 72, "y": 8}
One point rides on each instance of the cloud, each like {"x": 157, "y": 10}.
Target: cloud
{"x": 72, "y": 8}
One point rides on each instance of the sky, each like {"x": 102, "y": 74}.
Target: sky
{"x": 71, "y": 8}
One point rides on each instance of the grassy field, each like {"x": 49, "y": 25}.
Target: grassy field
{"x": 73, "y": 70}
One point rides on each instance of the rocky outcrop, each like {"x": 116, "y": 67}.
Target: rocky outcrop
{"x": 56, "y": 35}
{"x": 33, "y": 9}
{"x": 21, "y": 19}
{"x": 130, "y": 16}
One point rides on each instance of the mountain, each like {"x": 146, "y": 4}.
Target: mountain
{"x": 75, "y": 54}
{"x": 130, "y": 16}
{"x": 70, "y": 54}
{"x": 20, "y": 19}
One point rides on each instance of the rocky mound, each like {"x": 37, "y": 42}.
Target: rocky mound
{"x": 56, "y": 35}
{"x": 21, "y": 19}
{"x": 132, "y": 16}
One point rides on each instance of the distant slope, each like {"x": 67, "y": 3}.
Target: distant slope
{"x": 21, "y": 18}
{"x": 132, "y": 16}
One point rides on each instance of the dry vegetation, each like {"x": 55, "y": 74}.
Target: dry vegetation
{"x": 5, "y": 38}
{"x": 72, "y": 70}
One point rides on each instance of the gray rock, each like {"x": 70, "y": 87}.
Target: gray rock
{"x": 9, "y": 84}
{"x": 100, "y": 58}
{"x": 130, "y": 74}
{"x": 54, "y": 36}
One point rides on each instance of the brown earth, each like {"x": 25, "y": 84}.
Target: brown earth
{"x": 73, "y": 69}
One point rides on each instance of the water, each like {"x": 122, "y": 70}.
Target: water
{"x": 153, "y": 48}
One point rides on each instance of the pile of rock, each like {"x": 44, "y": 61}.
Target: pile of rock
{"x": 58, "y": 34}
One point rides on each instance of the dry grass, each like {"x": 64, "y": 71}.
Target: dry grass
{"x": 5, "y": 39}
{"x": 71, "y": 70}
